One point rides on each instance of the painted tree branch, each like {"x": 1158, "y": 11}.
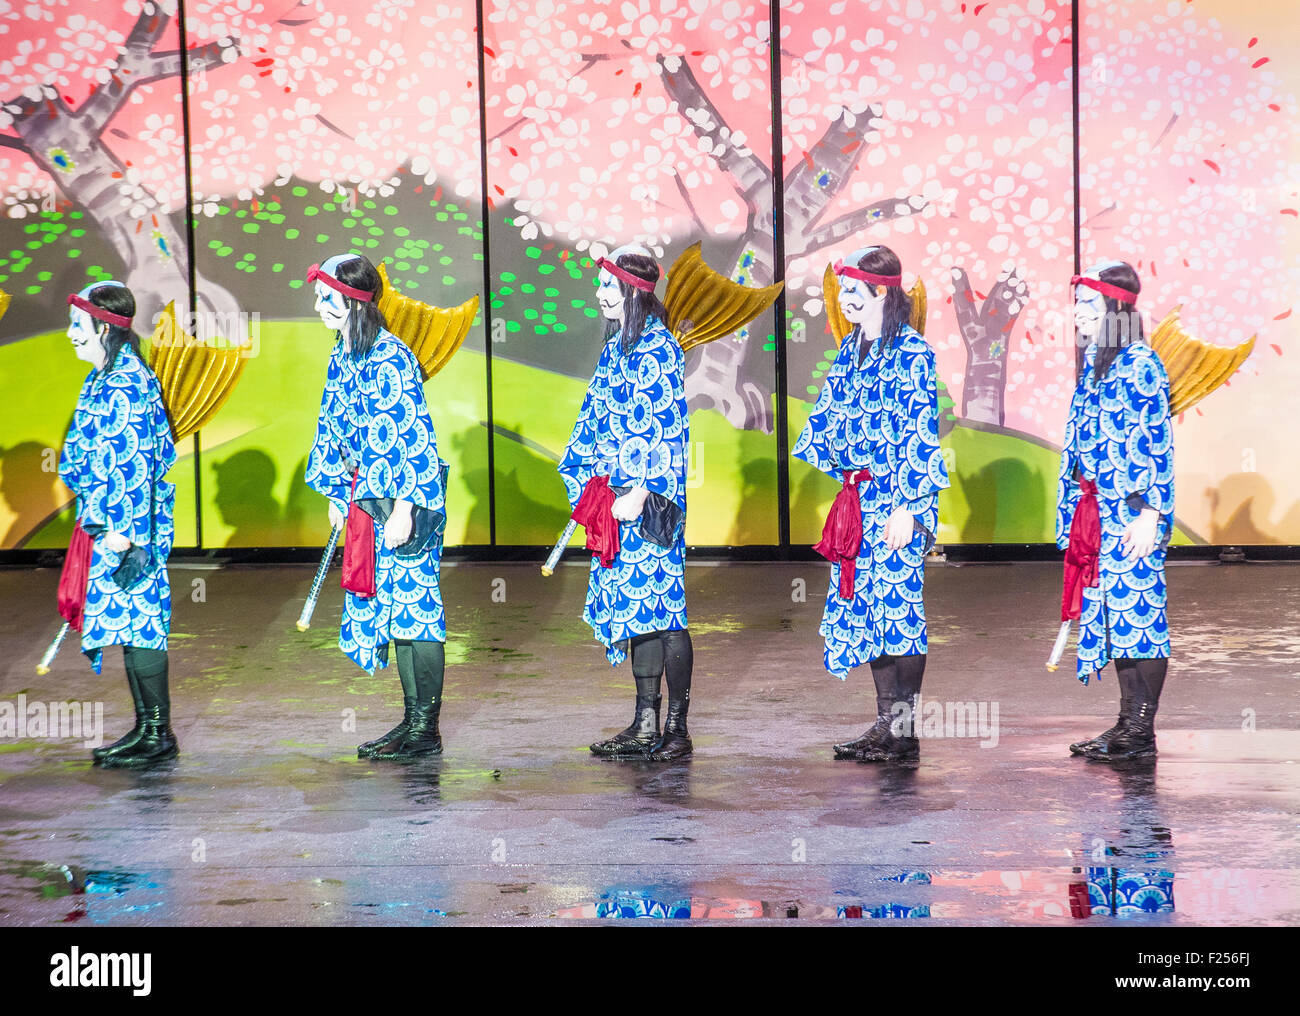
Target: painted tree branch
{"x": 105, "y": 100}
{"x": 986, "y": 333}
{"x": 15, "y": 143}
{"x": 824, "y": 169}
{"x": 748, "y": 171}
{"x": 856, "y": 221}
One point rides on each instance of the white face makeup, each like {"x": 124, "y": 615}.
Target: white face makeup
{"x": 609, "y": 297}
{"x": 857, "y": 303}
{"x": 87, "y": 337}
{"x": 330, "y": 307}
{"x": 1089, "y": 310}
{"x": 1089, "y": 305}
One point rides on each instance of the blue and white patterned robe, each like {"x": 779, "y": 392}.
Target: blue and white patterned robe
{"x": 118, "y": 449}
{"x": 373, "y": 414}
{"x": 1120, "y": 434}
{"x": 880, "y": 415}
{"x": 633, "y": 427}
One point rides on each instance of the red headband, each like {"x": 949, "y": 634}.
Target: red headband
{"x": 876, "y": 280}
{"x": 314, "y": 273}
{"x": 645, "y": 285}
{"x": 98, "y": 312}
{"x": 1105, "y": 289}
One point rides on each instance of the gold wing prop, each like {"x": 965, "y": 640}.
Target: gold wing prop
{"x": 4, "y": 302}
{"x": 1195, "y": 367}
{"x": 703, "y": 305}
{"x": 196, "y": 379}
{"x": 840, "y": 325}
{"x": 433, "y": 334}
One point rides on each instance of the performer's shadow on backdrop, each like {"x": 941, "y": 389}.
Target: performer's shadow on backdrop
{"x": 29, "y": 491}
{"x": 245, "y": 499}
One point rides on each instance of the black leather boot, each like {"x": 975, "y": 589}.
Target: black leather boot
{"x": 394, "y": 736}
{"x": 675, "y": 742}
{"x": 128, "y": 739}
{"x": 898, "y": 744}
{"x": 1124, "y": 677}
{"x": 872, "y": 738}
{"x": 421, "y": 738}
{"x": 1137, "y": 740}
{"x": 421, "y": 665}
{"x": 156, "y": 743}
{"x": 642, "y": 733}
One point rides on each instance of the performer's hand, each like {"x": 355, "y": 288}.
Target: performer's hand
{"x": 628, "y": 507}
{"x": 397, "y": 530}
{"x": 1139, "y": 537}
{"x": 899, "y": 528}
{"x": 337, "y": 519}
{"x": 116, "y": 542}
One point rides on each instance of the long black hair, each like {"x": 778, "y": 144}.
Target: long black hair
{"x": 1122, "y": 324}
{"x": 116, "y": 300}
{"x": 364, "y": 317}
{"x": 897, "y": 312}
{"x": 638, "y": 305}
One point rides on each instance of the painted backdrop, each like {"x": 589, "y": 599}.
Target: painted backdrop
{"x": 946, "y": 130}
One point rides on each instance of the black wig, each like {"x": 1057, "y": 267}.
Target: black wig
{"x": 1122, "y": 324}
{"x": 364, "y": 317}
{"x": 639, "y": 306}
{"x": 115, "y": 300}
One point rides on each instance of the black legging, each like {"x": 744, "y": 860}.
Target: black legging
{"x": 1140, "y": 675}
{"x": 146, "y": 671}
{"x": 898, "y": 679}
{"x": 663, "y": 653}
{"x": 420, "y": 666}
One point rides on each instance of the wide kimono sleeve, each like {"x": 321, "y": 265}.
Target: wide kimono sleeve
{"x": 121, "y": 462}
{"x": 816, "y": 443}
{"x": 400, "y": 460}
{"x": 327, "y": 471}
{"x": 1149, "y": 444}
{"x": 921, "y": 471}
{"x": 581, "y": 461}
{"x": 654, "y": 448}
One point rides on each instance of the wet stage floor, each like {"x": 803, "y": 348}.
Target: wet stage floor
{"x": 268, "y": 817}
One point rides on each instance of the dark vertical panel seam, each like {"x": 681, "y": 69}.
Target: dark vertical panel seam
{"x": 183, "y": 41}
{"x": 1074, "y": 115}
{"x": 778, "y": 273}
{"x": 487, "y": 277}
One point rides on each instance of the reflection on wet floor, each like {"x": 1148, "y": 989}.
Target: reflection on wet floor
{"x": 268, "y": 817}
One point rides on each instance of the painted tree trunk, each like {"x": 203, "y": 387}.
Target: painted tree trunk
{"x": 152, "y": 249}
{"x": 986, "y": 333}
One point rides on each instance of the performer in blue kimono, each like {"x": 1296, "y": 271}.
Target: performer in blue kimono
{"x": 1115, "y": 506}
{"x": 114, "y": 588}
{"x": 376, "y": 458}
{"x": 875, "y": 428}
{"x": 625, "y": 472}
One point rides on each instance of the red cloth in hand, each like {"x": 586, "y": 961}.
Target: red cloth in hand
{"x": 842, "y": 535}
{"x": 75, "y": 576}
{"x": 359, "y": 549}
{"x": 1083, "y": 555}
{"x": 594, "y": 512}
